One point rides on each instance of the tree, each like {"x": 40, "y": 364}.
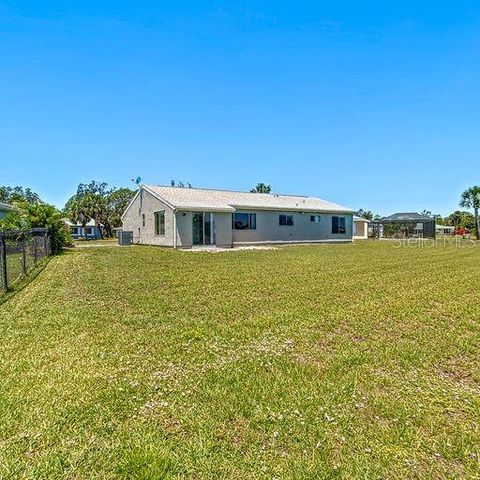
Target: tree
{"x": 427, "y": 213}
{"x": 18, "y": 195}
{"x": 88, "y": 203}
{"x": 364, "y": 214}
{"x": 461, "y": 219}
{"x": 117, "y": 201}
{"x": 39, "y": 215}
{"x": 261, "y": 188}
{"x": 471, "y": 199}
{"x": 97, "y": 201}
{"x": 77, "y": 209}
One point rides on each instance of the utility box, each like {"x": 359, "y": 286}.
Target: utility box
{"x": 125, "y": 238}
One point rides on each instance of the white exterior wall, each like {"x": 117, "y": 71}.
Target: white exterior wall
{"x": 222, "y": 229}
{"x": 360, "y": 230}
{"x": 146, "y": 203}
{"x": 179, "y": 228}
{"x": 303, "y": 230}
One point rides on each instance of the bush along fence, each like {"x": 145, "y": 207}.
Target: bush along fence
{"x": 20, "y": 251}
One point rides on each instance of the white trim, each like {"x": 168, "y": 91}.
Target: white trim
{"x": 151, "y": 192}
{"x": 131, "y": 203}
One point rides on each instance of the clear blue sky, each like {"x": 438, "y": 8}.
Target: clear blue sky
{"x": 371, "y": 104}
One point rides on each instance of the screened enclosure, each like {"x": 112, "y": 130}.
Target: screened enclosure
{"x": 405, "y": 225}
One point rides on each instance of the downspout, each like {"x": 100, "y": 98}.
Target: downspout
{"x": 175, "y": 228}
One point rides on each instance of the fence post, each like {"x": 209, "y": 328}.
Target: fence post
{"x": 3, "y": 247}
{"x": 35, "y": 253}
{"x": 24, "y": 256}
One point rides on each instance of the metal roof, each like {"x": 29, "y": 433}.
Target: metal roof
{"x": 360, "y": 219}
{"x": 406, "y": 217}
{"x": 229, "y": 201}
{"x": 90, "y": 223}
{"x": 7, "y": 207}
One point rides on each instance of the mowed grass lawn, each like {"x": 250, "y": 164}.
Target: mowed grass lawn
{"x": 333, "y": 361}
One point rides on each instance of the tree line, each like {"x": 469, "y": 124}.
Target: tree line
{"x": 94, "y": 200}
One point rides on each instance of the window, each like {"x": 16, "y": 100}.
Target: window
{"x": 338, "y": 225}
{"x": 88, "y": 230}
{"x": 285, "y": 220}
{"x": 143, "y": 220}
{"x": 315, "y": 218}
{"x": 244, "y": 221}
{"x": 159, "y": 221}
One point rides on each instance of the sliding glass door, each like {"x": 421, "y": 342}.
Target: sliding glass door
{"x": 203, "y": 228}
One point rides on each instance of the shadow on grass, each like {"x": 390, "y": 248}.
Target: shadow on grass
{"x": 32, "y": 275}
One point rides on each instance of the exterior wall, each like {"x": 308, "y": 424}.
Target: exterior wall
{"x": 360, "y": 230}
{"x": 184, "y": 229}
{"x": 223, "y": 229}
{"x": 303, "y": 230}
{"x": 95, "y": 235}
{"x": 146, "y": 203}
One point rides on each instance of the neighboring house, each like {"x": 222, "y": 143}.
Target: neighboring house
{"x": 91, "y": 231}
{"x": 406, "y": 225}
{"x": 445, "y": 230}
{"x": 184, "y": 217}
{"x": 360, "y": 228}
{"x": 5, "y": 209}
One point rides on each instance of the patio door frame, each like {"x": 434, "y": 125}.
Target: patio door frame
{"x": 207, "y": 218}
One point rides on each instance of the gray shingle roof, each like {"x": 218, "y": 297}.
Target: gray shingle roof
{"x": 229, "y": 201}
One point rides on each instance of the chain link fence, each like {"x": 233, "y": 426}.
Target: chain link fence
{"x": 19, "y": 252}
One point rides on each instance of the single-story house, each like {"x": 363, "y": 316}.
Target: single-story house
{"x": 184, "y": 217}
{"x": 445, "y": 229}
{"x": 91, "y": 231}
{"x": 407, "y": 225}
{"x": 5, "y": 209}
{"x": 360, "y": 228}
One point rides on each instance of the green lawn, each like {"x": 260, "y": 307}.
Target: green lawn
{"x": 333, "y": 361}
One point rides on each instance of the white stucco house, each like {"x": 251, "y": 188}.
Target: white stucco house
{"x": 185, "y": 217}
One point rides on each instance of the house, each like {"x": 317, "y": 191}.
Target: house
{"x": 91, "y": 231}
{"x": 408, "y": 225}
{"x": 5, "y": 209}
{"x": 184, "y": 217}
{"x": 360, "y": 228}
{"x": 445, "y": 230}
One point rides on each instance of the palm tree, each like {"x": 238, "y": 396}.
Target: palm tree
{"x": 261, "y": 188}
{"x": 471, "y": 199}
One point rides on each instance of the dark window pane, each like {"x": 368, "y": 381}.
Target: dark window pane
{"x": 282, "y": 219}
{"x": 290, "y": 220}
{"x": 334, "y": 224}
{"x": 240, "y": 221}
{"x": 341, "y": 225}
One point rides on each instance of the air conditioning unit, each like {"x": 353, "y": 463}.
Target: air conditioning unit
{"x": 125, "y": 237}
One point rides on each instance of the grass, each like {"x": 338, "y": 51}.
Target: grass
{"x": 340, "y": 361}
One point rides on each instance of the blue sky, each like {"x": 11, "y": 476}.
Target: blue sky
{"x": 371, "y": 104}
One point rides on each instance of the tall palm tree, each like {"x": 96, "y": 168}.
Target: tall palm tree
{"x": 471, "y": 199}
{"x": 261, "y": 188}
